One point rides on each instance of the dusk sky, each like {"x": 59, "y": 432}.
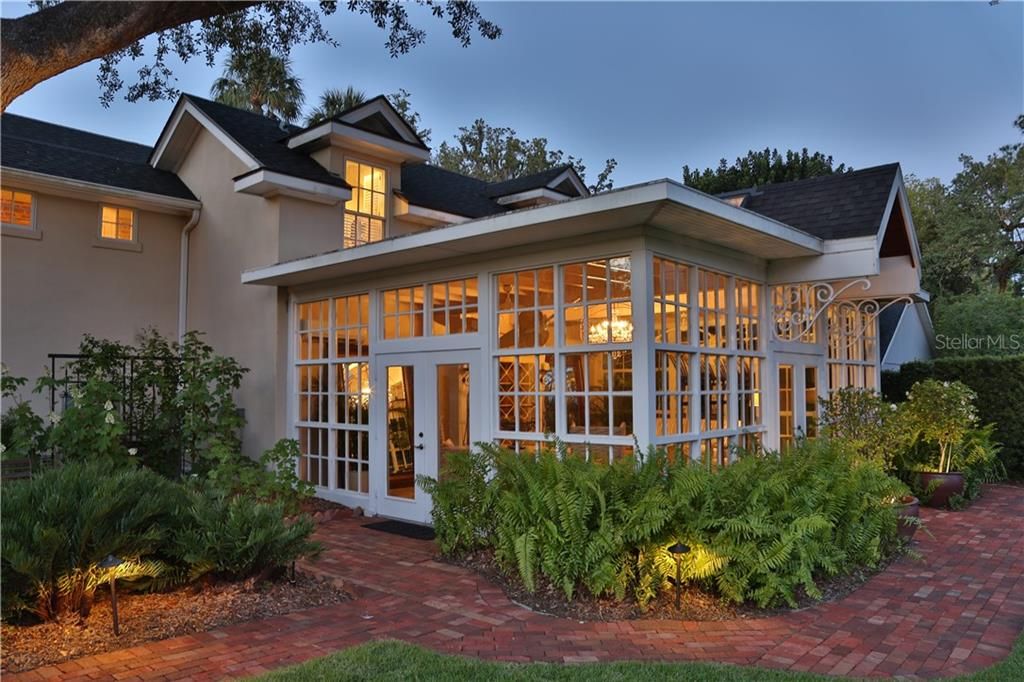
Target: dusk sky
{"x": 660, "y": 85}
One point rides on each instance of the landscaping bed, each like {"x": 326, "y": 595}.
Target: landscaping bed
{"x": 160, "y": 615}
{"x": 695, "y": 603}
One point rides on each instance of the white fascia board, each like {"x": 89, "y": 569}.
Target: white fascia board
{"x": 265, "y": 182}
{"x": 842, "y": 259}
{"x": 572, "y": 176}
{"x": 342, "y": 133}
{"x": 623, "y": 198}
{"x": 159, "y": 157}
{"x": 422, "y": 214}
{"x": 531, "y": 195}
{"x": 382, "y": 107}
{"x": 92, "y": 191}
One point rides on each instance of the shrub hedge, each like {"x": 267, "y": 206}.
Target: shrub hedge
{"x": 759, "y": 530}
{"x": 999, "y": 383}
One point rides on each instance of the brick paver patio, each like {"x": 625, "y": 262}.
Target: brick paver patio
{"x": 956, "y": 610}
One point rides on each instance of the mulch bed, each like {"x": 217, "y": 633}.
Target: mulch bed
{"x": 695, "y": 603}
{"x": 154, "y": 616}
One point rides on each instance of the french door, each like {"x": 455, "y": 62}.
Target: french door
{"x": 798, "y": 384}
{"x": 426, "y": 412}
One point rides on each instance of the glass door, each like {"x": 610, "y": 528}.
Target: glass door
{"x": 429, "y": 415}
{"x": 798, "y": 384}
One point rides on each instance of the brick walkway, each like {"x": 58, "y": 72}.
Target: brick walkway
{"x": 958, "y": 610}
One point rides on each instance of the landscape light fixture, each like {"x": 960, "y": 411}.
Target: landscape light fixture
{"x": 110, "y": 563}
{"x": 677, "y": 551}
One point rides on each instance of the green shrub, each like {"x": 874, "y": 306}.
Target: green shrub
{"x": 90, "y": 428}
{"x": 272, "y": 479}
{"x": 866, "y": 423}
{"x": 999, "y": 385}
{"x": 463, "y": 503}
{"x": 758, "y": 530}
{"x": 22, "y": 432}
{"x": 237, "y": 536}
{"x": 61, "y": 523}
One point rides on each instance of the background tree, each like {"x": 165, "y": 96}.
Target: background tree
{"x": 761, "y": 168}
{"x": 990, "y": 315}
{"x": 332, "y": 102}
{"x": 263, "y": 83}
{"x": 60, "y": 36}
{"x": 494, "y": 153}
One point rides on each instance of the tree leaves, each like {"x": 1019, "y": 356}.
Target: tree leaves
{"x": 761, "y": 168}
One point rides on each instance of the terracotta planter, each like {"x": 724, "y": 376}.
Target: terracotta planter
{"x": 938, "y": 488}
{"x": 908, "y": 510}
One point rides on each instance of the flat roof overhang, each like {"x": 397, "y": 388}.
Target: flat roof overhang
{"x": 665, "y": 204}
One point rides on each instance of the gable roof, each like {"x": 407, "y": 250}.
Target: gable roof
{"x": 527, "y": 182}
{"x": 836, "y": 206}
{"x": 264, "y": 139}
{"x": 55, "y": 150}
{"x": 381, "y": 119}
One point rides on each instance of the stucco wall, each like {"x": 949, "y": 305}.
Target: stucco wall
{"x": 59, "y": 287}
{"x": 235, "y": 232}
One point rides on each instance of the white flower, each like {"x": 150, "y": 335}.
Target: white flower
{"x": 54, "y": 418}
{"x": 110, "y": 418}
{"x": 108, "y": 406}
{"x": 893, "y": 407}
{"x": 76, "y": 393}
{"x": 3, "y": 448}
{"x": 133, "y": 451}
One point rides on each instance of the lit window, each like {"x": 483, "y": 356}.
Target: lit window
{"x": 526, "y": 393}
{"x": 715, "y": 452}
{"x": 672, "y": 392}
{"x": 117, "y": 224}
{"x": 852, "y": 348}
{"x": 333, "y": 390}
{"x": 596, "y": 295}
{"x": 453, "y": 307}
{"x": 599, "y": 393}
{"x": 671, "y": 302}
{"x": 16, "y": 209}
{"x": 712, "y": 309}
{"x": 403, "y": 312}
{"x": 748, "y": 391}
{"x": 366, "y": 211}
{"x": 714, "y": 392}
{"x": 526, "y": 309}
{"x": 748, "y": 315}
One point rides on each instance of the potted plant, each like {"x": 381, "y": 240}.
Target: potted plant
{"x": 908, "y": 511}
{"x": 940, "y": 414}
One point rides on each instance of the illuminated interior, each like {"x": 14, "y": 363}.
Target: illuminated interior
{"x": 366, "y": 211}
{"x": 15, "y": 208}
{"x": 117, "y": 223}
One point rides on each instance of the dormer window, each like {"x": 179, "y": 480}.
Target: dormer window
{"x": 366, "y": 211}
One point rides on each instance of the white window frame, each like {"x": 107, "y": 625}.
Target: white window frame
{"x": 26, "y": 232}
{"x": 386, "y": 218}
{"x": 133, "y": 244}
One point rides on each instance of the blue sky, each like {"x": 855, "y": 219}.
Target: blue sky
{"x": 659, "y": 85}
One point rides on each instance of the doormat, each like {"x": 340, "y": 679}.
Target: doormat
{"x": 406, "y": 530}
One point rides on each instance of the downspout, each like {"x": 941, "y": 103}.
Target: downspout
{"x": 183, "y": 274}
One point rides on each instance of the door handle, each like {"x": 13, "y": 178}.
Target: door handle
{"x": 420, "y": 446}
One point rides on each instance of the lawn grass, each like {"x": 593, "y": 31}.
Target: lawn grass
{"x": 392, "y": 660}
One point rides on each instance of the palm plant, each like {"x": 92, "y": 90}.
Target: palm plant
{"x": 333, "y": 101}
{"x": 262, "y": 82}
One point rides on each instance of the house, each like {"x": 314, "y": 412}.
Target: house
{"x": 392, "y": 311}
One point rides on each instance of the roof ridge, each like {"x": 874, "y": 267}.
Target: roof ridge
{"x": 818, "y": 178}
{"x": 82, "y": 131}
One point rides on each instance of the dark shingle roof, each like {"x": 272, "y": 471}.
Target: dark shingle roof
{"x": 527, "y": 182}
{"x": 444, "y": 190}
{"x": 50, "y": 149}
{"x": 264, "y": 139}
{"x": 830, "y": 207}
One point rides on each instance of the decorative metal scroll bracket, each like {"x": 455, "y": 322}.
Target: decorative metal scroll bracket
{"x": 796, "y": 309}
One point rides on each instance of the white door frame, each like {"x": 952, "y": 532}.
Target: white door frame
{"x": 425, "y": 426}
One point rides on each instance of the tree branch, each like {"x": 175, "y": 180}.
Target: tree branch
{"x": 55, "y": 39}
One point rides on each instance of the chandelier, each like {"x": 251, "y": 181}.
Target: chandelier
{"x": 614, "y": 331}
